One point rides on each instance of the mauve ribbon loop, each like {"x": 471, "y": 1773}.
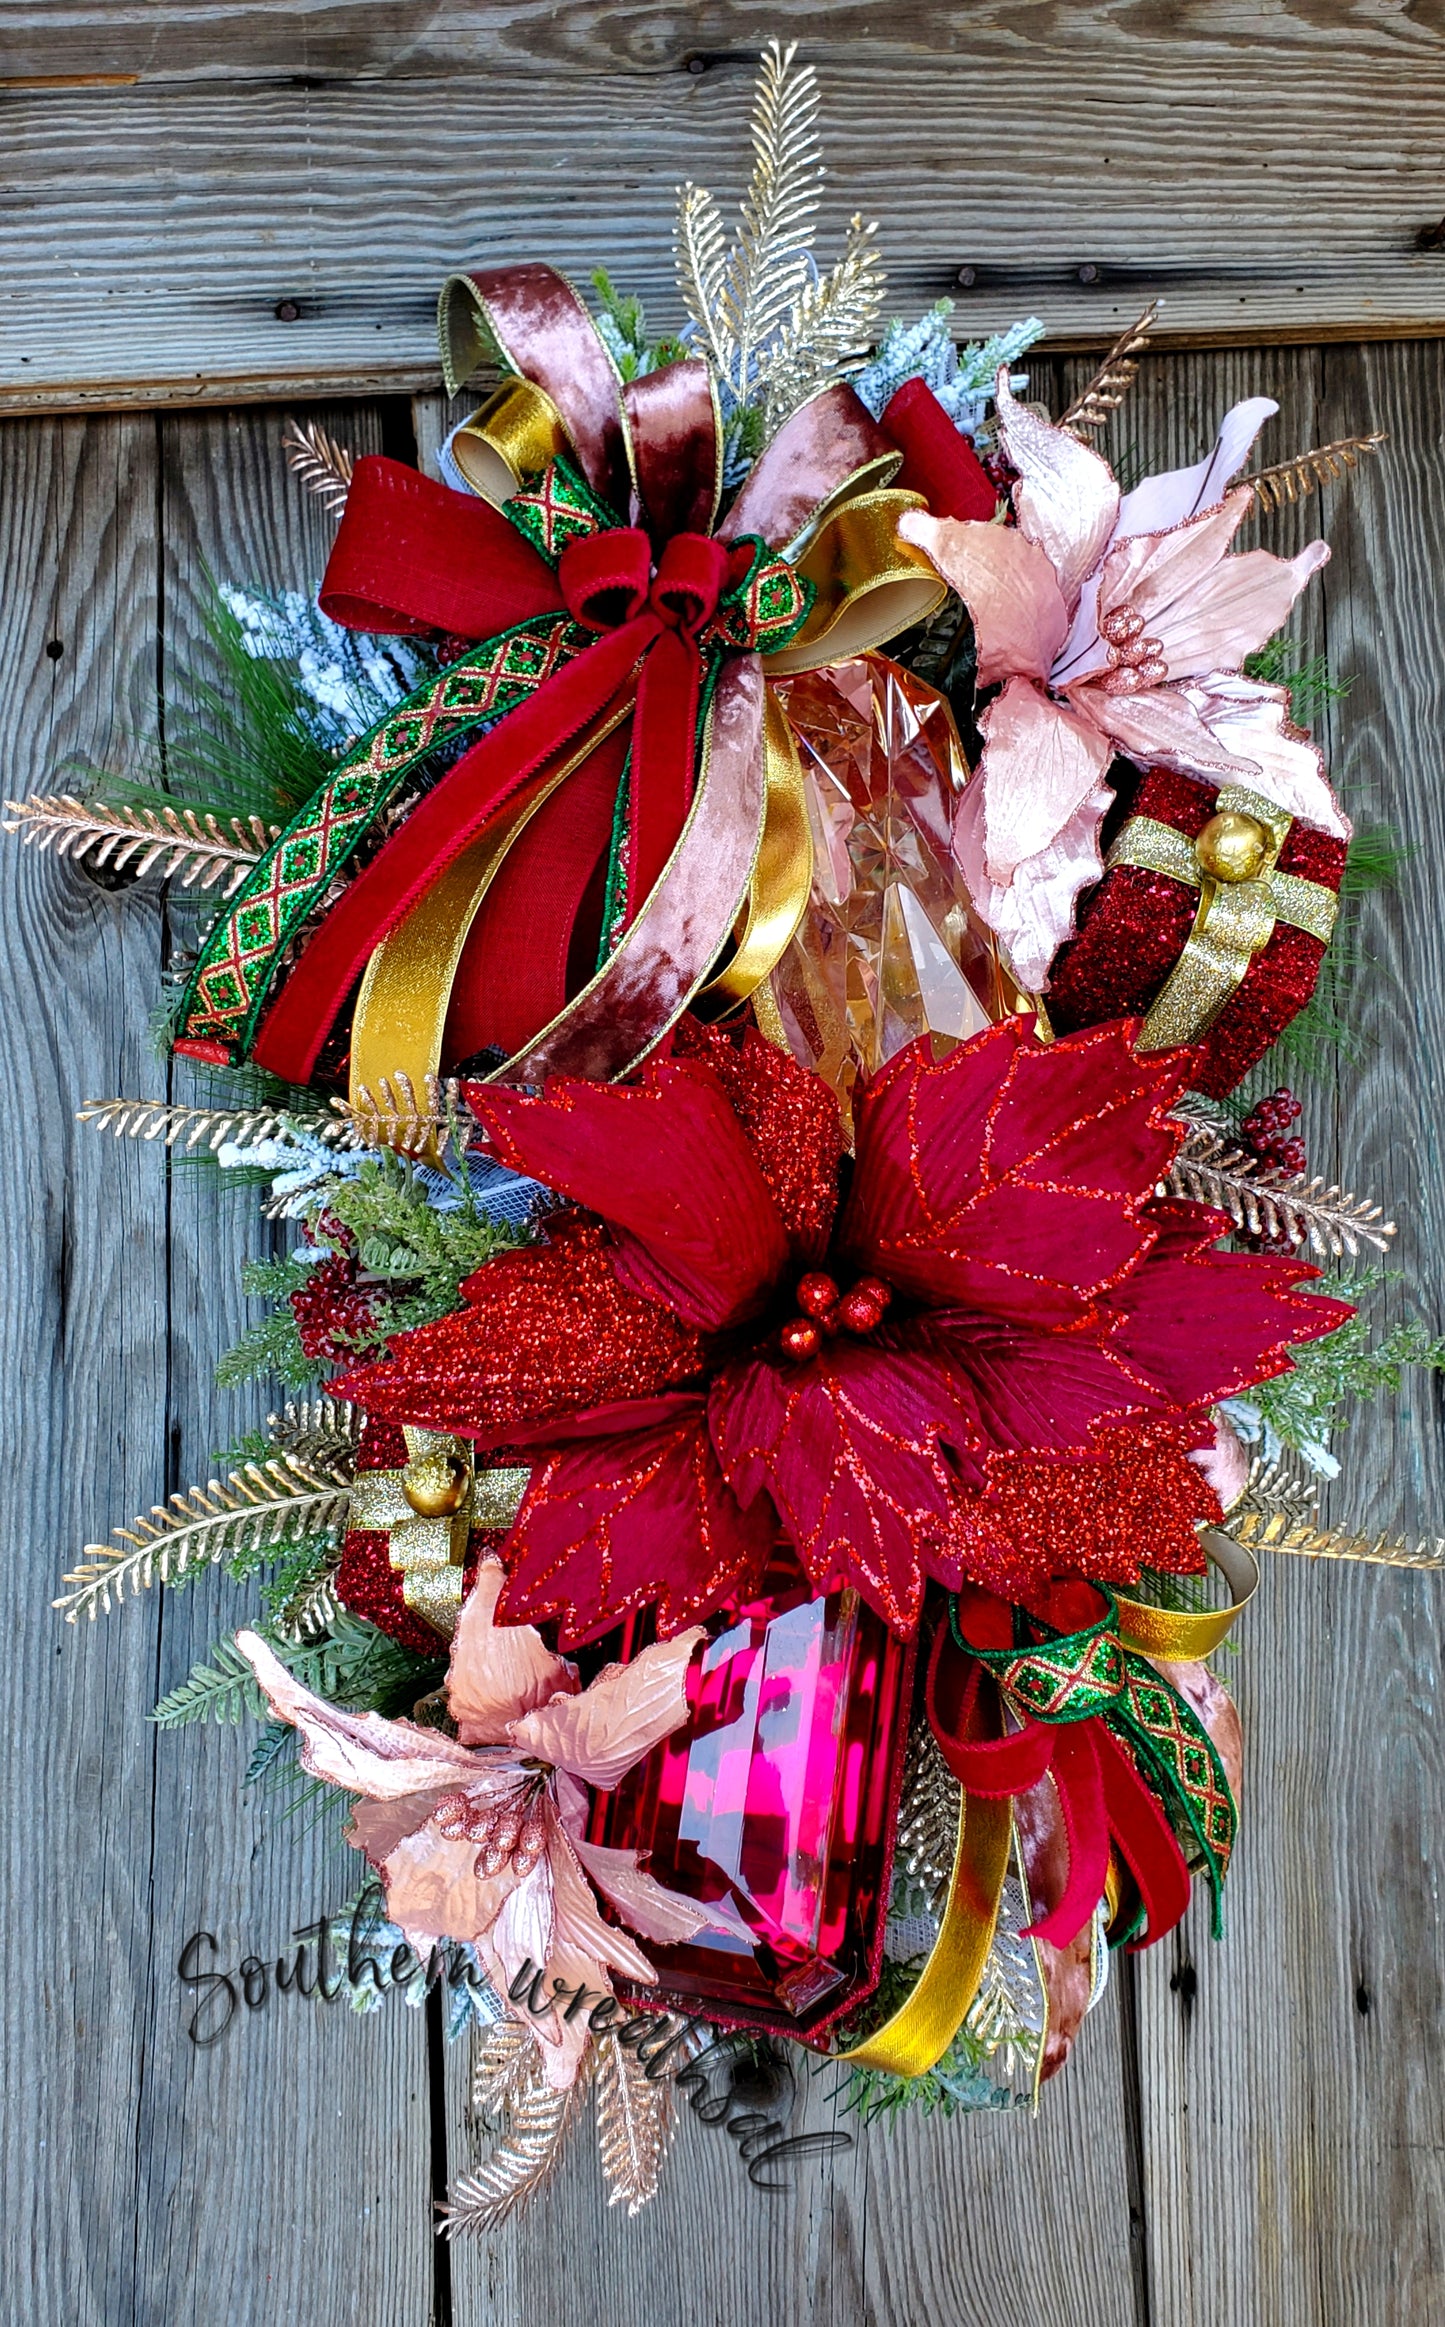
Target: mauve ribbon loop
{"x": 604, "y": 577}
{"x": 692, "y": 574}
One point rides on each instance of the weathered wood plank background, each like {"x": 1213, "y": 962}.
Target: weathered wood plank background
{"x": 1248, "y": 2133}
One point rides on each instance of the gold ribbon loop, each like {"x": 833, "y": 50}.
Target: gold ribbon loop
{"x": 869, "y": 583}
{"x": 1181, "y": 1636}
{"x": 517, "y": 432}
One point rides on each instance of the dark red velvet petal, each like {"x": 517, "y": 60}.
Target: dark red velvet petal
{"x": 1040, "y": 1392}
{"x": 1010, "y": 1177}
{"x": 664, "y": 1161}
{"x": 546, "y": 1330}
{"x": 1204, "y": 1324}
{"x": 847, "y": 1448}
{"x": 609, "y": 1524}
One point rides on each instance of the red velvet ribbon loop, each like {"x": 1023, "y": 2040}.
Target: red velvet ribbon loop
{"x": 1103, "y": 1799}
{"x": 692, "y": 574}
{"x": 605, "y": 577}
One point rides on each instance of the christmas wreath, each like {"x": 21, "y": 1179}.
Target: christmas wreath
{"x": 733, "y": 929}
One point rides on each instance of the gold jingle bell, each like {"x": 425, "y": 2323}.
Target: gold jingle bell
{"x": 437, "y": 1485}
{"x": 1233, "y": 847}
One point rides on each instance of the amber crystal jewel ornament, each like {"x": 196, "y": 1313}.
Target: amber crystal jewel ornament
{"x": 777, "y": 1799}
{"x": 891, "y": 947}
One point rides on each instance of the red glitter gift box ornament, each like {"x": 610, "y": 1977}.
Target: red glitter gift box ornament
{"x": 1210, "y": 923}
{"x": 776, "y": 1799}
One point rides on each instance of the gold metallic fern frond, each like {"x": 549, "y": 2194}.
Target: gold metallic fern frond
{"x": 321, "y": 1432}
{"x": 1275, "y": 1489}
{"x": 324, "y": 466}
{"x": 635, "y": 2125}
{"x": 1276, "y": 1531}
{"x": 260, "y": 1505}
{"x": 700, "y": 255}
{"x": 927, "y": 1815}
{"x": 1113, "y": 380}
{"x": 212, "y": 1127}
{"x": 1324, "y": 465}
{"x": 1265, "y": 1200}
{"x": 768, "y": 266}
{"x": 396, "y": 1114}
{"x": 833, "y": 322}
{"x": 539, "y": 2121}
{"x": 506, "y": 2063}
{"x": 198, "y": 850}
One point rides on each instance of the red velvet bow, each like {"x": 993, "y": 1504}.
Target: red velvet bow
{"x": 1103, "y": 1799}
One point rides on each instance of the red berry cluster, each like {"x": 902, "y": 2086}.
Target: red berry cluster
{"x": 1266, "y": 1133}
{"x": 825, "y": 1311}
{"x": 333, "y": 1316}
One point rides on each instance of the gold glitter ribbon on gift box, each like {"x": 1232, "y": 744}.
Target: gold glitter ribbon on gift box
{"x": 925, "y": 2024}
{"x": 427, "y": 1509}
{"x": 1242, "y": 895}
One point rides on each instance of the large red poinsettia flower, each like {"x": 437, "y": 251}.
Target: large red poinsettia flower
{"x": 983, "y": 1352}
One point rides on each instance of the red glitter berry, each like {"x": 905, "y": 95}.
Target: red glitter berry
{"x": 858, "y": 1312}
{"x": 799, "y": 1339}
{"x": 873, "y": 1289}
{"x": 816, "y": 1294}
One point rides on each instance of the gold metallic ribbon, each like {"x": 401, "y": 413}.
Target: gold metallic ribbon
{"x": 1235, "y": 919}
{"x": 428, "y": 1545}
{"x": 1182, "y": 1636}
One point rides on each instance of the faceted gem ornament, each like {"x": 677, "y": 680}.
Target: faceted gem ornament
{"x": 890, "y": 947}
{"x": 777, "y": 1798}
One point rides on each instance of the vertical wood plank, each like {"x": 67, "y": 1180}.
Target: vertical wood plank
{"x": 1293, "y": 2121}
{"x": 82, "y": 1400}
{"x": 285, "y": 2171}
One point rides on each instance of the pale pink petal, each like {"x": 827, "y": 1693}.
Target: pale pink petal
{"x": 499, "y": 1671}
{"x": 432, "y": 1889}
{"x": 659, "y": 1914}
{"x": 1034, "y": 915}
{"x": 1161, "y": 729}
{"x": 628, "y": 1708}
{"x": 1251, "y": 719}
{"x": 1040, "y": 764}
{"x": 1225, "y": 1464}
{"x": 1206, "y": 609}
{"x": 1007, "y": 584}
{"x": 361, "y": 1751}
{"x": 1179, "y": 493}
{"x": 578, "y": 1950}
{"x": 1066, "y": 498}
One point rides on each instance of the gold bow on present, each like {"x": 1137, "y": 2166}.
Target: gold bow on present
{"x": 427, "y": 1509}
{"x": 1242, "y": 895}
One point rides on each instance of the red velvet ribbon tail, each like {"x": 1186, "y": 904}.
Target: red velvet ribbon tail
{"x": 664, "y": 732}
{"x": 1081, "y": 1800}
{"x": 454, "y": 813}
{"x": 937, "y": 462}
{"x": 1144, "y": 1837}
{"x": 990, "y": 1767}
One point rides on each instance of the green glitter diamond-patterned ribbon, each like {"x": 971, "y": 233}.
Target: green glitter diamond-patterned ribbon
{"x": 231, "y": 983}
{"x": 1090, "y": 1675}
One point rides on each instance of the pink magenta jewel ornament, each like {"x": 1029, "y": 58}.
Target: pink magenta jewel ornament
{"x": 776, "y": 1797}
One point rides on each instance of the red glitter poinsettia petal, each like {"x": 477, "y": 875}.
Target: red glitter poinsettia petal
{"x": 609, "y": 1524}
{"x": 790, "y": 1121}
{"x": 847, "y": 1448}
{"x": 1136, "y": 1504}
{"x": 1204, "y": 1324}
{"x": 546, "y": 1330}
{"x": 665, "y": 1163}
{"x": 1011, "y": 1177}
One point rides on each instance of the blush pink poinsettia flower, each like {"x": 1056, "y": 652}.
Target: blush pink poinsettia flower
{"x": 1117, "y": 623}
{"x": 481, "y": 1837}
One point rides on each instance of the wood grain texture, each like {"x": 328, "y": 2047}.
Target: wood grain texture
{"x": 1247, "y": 2133}
{"x": 1266, "y": 171}
{"x": 1293, "y": 2122}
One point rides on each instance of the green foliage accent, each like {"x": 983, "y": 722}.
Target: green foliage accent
{"x": 1343, "y": 1368}
{"x": 1282, "y": 662}
{"x": 956, "y": 2086}
{"x": 623, "y": 327}
{"x": 356, "y": 1666}
{"x": 273, "y": 1344}
{"x": 404, "y": 1241}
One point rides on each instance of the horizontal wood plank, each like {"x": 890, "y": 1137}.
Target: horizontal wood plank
{"x": 183, "y": 241}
